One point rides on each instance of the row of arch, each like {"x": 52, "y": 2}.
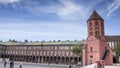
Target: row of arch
{"x": 44, "y": 59}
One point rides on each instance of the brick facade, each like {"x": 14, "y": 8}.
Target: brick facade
{"x": 96, "y": 47}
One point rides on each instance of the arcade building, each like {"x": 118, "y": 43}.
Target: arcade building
{"x": 97, "y": 46}
{"x": 58, "y": 52}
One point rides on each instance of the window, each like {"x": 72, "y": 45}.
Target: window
{"x": 91, "y": 33}
{"x": 55, "y": 48}
{"x": 67, "y": 47}
{"x": 71, "y": 54}
{"x": 96, "y": 23}
{"x": 59, "y": 53}
{"x": 27, "y": 53}
{"x": 90, "y": 24}
{"x": 16, "y": 52}
{"x": 37, "y": 52}
{"x": 39, "y": 47}
{"x": 91, "y": 49}
{"x": 31, "y": 53}
{"x": 51, "y": 52}
{"x": 48, "y": 53}
{"x": 90, "y": 28}
{"x": 97, "y": 32}
{"x": 29, "y": 47}
{"x": 22, "y": 52}
{"x": 6, "y": 52}
{"x": 67, "y": 53}
{"x": 44, "y": 52}
{"x": 40, "y": 52}
{"x": 34, "y": 52}
{"x": 55, "y": 53}
{"x": 63, "y": 53}
{"x": 91, "y": 56}
{"x": 97, "y": 27}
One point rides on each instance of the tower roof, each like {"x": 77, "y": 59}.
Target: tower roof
{"x": 95, "y": 16}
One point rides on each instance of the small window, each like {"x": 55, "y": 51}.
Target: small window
{"x": 97, "y": 27}
{"x": 91, "y": 56}
{"x": 96, "y": 23}
{"x": 91, "y": 33}
{"x": 90, "y": 24}
{"x": 97, "y": 32}
{"x": 90, "y": 28}
{"x": 91, "y": 49}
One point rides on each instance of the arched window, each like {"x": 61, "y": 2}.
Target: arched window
{"x": 91, "y": 33}
{"x": 91, "y": 49}
{"x": 96, "y": 23}
{"x": 97, "y": 32}
{"x": 90, "y": 24}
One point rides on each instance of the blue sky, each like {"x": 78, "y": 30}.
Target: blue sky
{"x": 55, "y": 19}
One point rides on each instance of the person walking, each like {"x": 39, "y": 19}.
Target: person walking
{"x": 11, "y": 64}
{"x": 70, "y": 66}
{"x": 5, "y": 64}
{"x": 20, "y": 65}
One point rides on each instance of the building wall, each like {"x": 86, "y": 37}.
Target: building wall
{"x": 94, "y": 51}
{"x": 96, "y": 47}
{"x": 42, "y": 53}
{"x": 113, "y": 43}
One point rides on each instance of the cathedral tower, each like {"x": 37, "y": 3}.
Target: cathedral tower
{"x": 96, "y": 47}
{"x": 95, "y": 25}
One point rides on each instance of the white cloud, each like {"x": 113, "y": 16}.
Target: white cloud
{"x": 66, "y": 10}
{"x": 71, "y": 10}
{"x": 8, "y": 1}
{"x": 112, "y": 7}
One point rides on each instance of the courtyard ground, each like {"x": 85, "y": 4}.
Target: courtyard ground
{"x": 36, "y": 65}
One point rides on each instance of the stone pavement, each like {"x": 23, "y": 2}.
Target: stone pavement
{"x": 36, "y": 65}
{"x": 113, "y": 66}
{"x": 41, "y": 65}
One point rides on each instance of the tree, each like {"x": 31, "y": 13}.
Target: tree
{"x": 117, "y": 49}
{"x": 77, "y": 49}
{"x": 26, "y": 40}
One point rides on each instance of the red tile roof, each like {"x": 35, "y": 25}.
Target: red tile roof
{"x": 95, "y": 16}
{"x": 113, "y": 38}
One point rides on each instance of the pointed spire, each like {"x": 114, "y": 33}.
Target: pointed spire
{"x": 95, "y": 16}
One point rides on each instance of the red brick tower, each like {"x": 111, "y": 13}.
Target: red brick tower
{"x": 96, "y": 47}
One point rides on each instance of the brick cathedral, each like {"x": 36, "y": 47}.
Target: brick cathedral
{"x": 96, "y": 47}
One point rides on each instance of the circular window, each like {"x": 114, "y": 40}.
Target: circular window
{"x": 91, "y": 56}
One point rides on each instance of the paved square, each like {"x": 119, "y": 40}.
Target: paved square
{"x": 36, "y": 65}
